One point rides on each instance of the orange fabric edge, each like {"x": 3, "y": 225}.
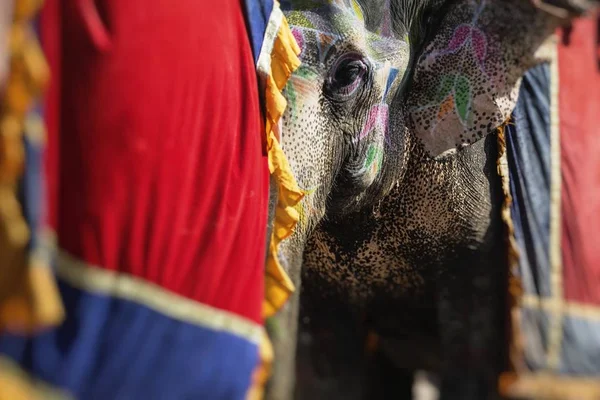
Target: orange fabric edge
{"x": 35, "y": 304}
{"x": 278, "y": 286}
{"x": 16, "y": 384}
{"x": 29, "y": 297}
{"x": 515, "y": 290}
{"x": 262, "y": 373}
{"x": 549, "y": 387}
{"x": 284, "y": 61}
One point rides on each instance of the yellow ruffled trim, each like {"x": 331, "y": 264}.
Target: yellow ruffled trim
{"x": 515, "y": 288}
{"x": 16, "y": 384}
{"x": 29, "y": 297}
{"x": 34, "y": 304}
{"x": 284, "y": 61}
{"x": 278, "y": 286}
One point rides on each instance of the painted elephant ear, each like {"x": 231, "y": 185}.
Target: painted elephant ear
{"x": 460, "y": 90}
{"x": 466, "y": 81}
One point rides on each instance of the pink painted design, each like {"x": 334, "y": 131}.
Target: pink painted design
{"x": 299, "y": 38}
{"x": 469, "y": 35}
{"x": 377, "y": 118}
{"x": 479, "y": 45}
{"x": 325, "y": 42}
{"x": 461, "y": 34}
{"x": 386, "y": 26}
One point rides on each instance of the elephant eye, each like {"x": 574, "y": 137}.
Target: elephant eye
{"x": 347, "y": 74}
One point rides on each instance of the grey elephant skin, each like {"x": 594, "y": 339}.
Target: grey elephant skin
{"x": 401, "y": 232}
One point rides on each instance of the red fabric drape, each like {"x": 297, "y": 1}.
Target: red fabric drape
{"x": 580, "y": 160}
{"x": 161, "y": 172}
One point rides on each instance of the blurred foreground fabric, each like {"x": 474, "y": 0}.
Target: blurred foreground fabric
{"x": 554, "y": 163}
{"x": 150, "y": 197}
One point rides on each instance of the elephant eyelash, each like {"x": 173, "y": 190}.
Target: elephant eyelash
{"x": 351, "y": 89}
{"x": 348, "y": 74}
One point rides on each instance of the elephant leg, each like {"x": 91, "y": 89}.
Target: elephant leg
{"x": 386, "y": 381}
{"x": 282, "y": 327}
{"x": 472, "y": 333}
{"x": 282, "y": 330}
{"x": 331, "y": 362}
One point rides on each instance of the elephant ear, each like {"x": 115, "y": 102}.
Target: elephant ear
{"x": 466, "y": 80}
{"x": 462, "y": 88}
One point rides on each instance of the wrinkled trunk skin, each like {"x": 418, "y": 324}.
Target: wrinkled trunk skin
{"x": 339, "y": 373}
{"x": 434, "y": 288}
{"x": 330, "y": 360}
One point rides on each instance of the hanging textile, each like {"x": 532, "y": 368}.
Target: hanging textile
{"x": 162, "y": 132}
{"x": 553, "y": 144}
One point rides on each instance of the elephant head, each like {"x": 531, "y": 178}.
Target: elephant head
{"x": 337, "y": 123}
{"x": 425, "y": 267}
{"x": 461, "y": 84}
{"x": 335, "y": 132}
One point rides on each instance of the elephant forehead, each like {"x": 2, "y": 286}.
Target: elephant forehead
{"x": 329, "y": 20}
{"x": 390, "y": 49}
{"x": 331, "y": 29}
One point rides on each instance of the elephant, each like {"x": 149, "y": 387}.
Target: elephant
{"x": 335, "y": 135}
{"x": 401, "y": 231}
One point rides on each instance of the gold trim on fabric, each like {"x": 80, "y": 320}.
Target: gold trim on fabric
{"x": 570, "y": 308}
{"x": 97, "y": 280}
{"x": 16, "y": 384}
{"x": 261, "y": 374}
{"x": 515, "y": 289}
{"x": 276, "y": 63}
{"x": 548, "y": 386}
{"x": 29, "y": 298}
{"x": 34, "y": 302}
{"x": 555, "y": 334}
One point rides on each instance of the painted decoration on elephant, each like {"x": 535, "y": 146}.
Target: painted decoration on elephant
{"x": 377, "y": 120}
{"x": 305, "y": 207}
{"x": 454, "y": 93}
{"x": 315, "y": 45}
{"x": 329, "y": 34}
{"x": 299, "y": 88}
{"x": 460, "y": 91}
{"x": 373, "y": 161}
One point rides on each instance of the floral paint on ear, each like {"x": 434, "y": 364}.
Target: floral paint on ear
{"x": 466, "y": 81}
{"x": 460, "y": 90}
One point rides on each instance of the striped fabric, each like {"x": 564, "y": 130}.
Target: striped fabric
{"x": 127, "y": 339}
{"x": 553, "y": 149}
